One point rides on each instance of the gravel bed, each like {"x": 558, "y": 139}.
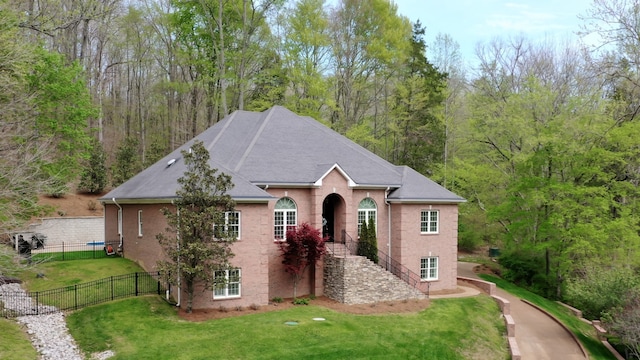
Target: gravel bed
{"x": 48, "y": 331}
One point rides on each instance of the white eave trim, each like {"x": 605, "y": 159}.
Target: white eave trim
{"x": 427, "y": 201}
{"x": 170, "y": 200}
{"x": 350, "y": 181}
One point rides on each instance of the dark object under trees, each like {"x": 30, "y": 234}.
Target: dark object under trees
{"x": 303, "y": 247}
{"x": 193, "y": 251}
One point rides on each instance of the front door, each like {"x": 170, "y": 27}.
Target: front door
{"x": 328, "y": 218}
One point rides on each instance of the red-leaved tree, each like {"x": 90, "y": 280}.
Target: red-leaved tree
{"x": 303, "y": 247}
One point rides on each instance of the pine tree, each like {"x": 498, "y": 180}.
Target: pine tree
{"x": 127, "y": 162}
{"x": 362, "y": 239}
{"x": 94, "y": 175}
{"x": 372, "y": 242}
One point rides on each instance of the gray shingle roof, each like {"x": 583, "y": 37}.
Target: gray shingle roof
{"x": 280, "y": 148}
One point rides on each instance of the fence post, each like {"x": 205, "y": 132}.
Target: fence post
{"x": 158, "y": 282}
{"x": 75, "y": 297}
{"x": 136, "y": 283}
{"x": 111, "y": 287}
{"x": 37, "y": 299}
{"x": 63, "y": 251}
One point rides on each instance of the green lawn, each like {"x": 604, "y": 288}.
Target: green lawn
{"x": 148, "y": 328}
{"x": 97, "y": 253}
{"x": 70, "y": 285}
{"x": 585, "y": 332}
{"x": 14, "y": 342}
{"x": 58, "y": 274}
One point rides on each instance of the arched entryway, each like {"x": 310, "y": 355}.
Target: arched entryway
{"x": 333, "y": 216}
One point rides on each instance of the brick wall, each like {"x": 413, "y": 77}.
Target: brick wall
{"x": 411, "y": 245}
{"x": 357, "y": 280}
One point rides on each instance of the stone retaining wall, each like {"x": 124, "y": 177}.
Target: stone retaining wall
{"x": 357, "y": 280}
{"x": 83, "y": 229}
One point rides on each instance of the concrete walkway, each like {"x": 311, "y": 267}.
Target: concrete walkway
{"x": 538, "y": 336}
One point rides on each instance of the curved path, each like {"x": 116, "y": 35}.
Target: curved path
{"x": 538, "y": 336}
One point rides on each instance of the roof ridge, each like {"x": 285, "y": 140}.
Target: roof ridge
{"x": 354, "y": 145}
{"x": 254, "y": 140}
{"x": 224, "y": 127}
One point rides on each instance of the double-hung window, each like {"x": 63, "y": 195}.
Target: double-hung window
{"x": 227, "y": 284}
{"x": 285, "y": 218}
{"x": 429, "y": 268}
{"x": 230, "y": 228}
{"x": 429, "y": 222}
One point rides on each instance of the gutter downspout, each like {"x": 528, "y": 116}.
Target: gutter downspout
{"x": 120, "y": 219}
{"x": 386, "y": 201}
{"x": 178, "y": 246}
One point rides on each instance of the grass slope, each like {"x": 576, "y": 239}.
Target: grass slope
{"x": 59, "y": 274}
{"x": 14, "y": 342}
{"x": 148, "y": 328}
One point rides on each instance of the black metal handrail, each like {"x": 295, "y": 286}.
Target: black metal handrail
{"x": 389, "y": 264}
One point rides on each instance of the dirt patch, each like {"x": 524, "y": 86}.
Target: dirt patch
{"x": 386, "y": 307}
{"x": 484, "y": 269}
{"x": 74, "y": 204}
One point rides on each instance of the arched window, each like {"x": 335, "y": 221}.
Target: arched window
{"x": 285, "y": 217}
{"x": 367, "y": 209}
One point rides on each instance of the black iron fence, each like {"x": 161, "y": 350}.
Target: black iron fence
{"x": 19, "y": 302}
{"x": 71, "y": 251}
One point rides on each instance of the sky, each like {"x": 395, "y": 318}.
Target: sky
{"x": 470, "y": 22}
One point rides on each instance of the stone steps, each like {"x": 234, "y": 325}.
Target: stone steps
{"x": 358, "y": 280}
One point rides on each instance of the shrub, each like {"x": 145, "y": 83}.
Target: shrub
{"x": 277, "y": 300}
{"x": 301, "y": 301}
{"x": 600, "y": 290}
{"x": 520, "y": 267}
{"x": 526, "y": 269}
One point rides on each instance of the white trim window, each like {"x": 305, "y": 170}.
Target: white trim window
{"x": 368, "y": 210}
{"x": 227, "y": 284}
{"x": 231, "y": 227}
{"x": 429, "y": 223}
{"x": 285, "y": 218}
{"x": 139, "y": 222}
{"x": 429, "y": 268}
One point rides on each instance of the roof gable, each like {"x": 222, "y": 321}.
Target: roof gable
{"x": 336, "y": 167}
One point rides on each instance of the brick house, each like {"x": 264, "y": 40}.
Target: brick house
{"x": 288, "y": 169}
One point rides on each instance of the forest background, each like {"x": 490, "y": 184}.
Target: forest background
{"x": 541, "y": 138}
